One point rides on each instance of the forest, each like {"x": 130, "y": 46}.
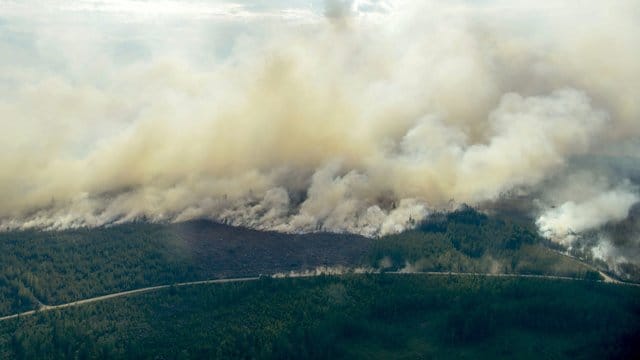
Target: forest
{"x": 54, "y": 267}
{"x": 469, "y": 241}
{"x": 371, "y": 316}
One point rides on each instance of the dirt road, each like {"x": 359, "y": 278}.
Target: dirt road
{"x": 232, "y": 280}
{"x": 123, "y": 293}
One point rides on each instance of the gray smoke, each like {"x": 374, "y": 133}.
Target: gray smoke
{"x": 353, "y": 116}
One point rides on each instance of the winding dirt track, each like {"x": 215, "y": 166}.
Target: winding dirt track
{"x": 293, "y": 275}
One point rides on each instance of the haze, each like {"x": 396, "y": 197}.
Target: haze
{"x": 342, "y": 116}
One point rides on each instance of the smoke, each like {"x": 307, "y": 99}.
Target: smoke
{"x": 352, "y": 116}
{"x": 571, "y": 218}
{"x": 325, "y": 270}
{"x": 339, "y": 9}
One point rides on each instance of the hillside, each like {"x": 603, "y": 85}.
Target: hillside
{"x": 61, "y": 266}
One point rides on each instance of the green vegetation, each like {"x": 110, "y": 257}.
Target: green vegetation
{"x": 468, "y": 241}
{"x": 56, "y": 267}
{"x": 357, "y": 316}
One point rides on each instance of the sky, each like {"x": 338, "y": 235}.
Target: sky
{"x": 347, "y": 116}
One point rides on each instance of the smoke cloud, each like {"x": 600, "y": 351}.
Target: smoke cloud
{"x": 572, "y": 218}
{"x": 347, "y": 116}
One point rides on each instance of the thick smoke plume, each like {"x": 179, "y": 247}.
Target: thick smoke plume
{"x": 356, "y": 116}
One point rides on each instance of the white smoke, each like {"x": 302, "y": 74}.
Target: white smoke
{"x": 326, "y": 270}
{"x": 564, "y": 222}
{"x": 355, "y": 116}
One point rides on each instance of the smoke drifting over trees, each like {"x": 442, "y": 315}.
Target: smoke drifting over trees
{"x": 361, "y": 116}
